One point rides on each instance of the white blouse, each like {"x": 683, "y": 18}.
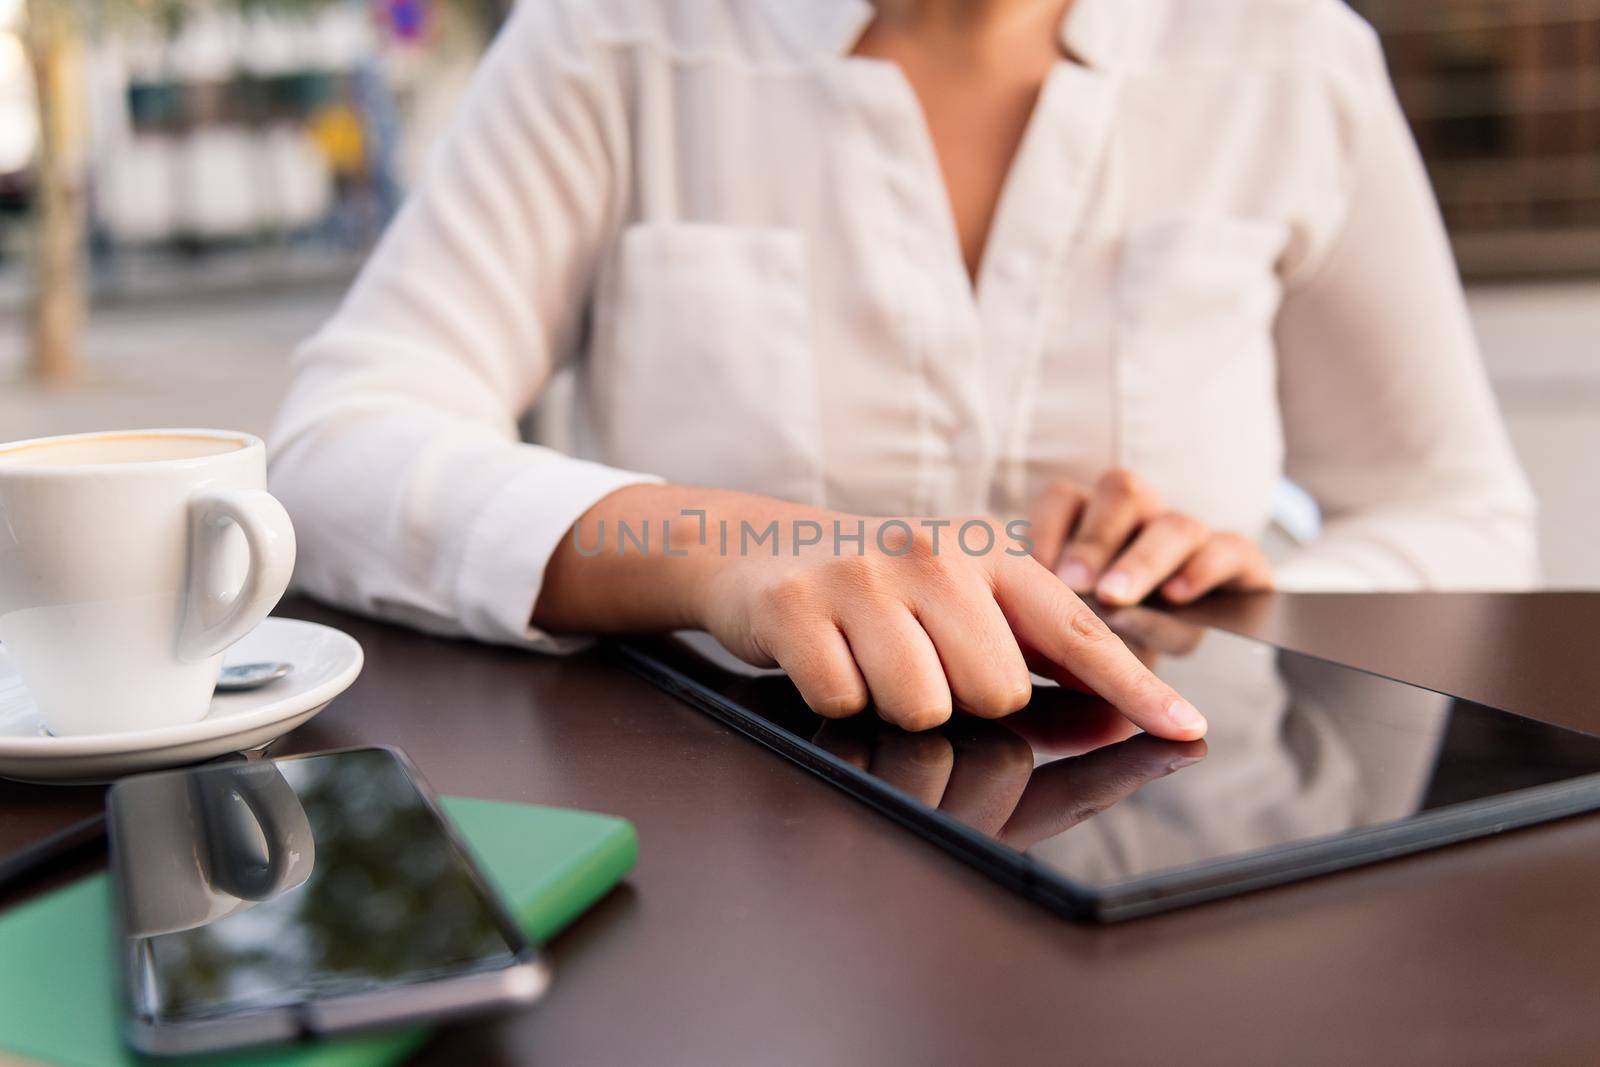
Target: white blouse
{"x": 1216, "y": 262}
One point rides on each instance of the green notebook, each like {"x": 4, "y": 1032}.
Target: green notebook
{"x": 58, "y": 995}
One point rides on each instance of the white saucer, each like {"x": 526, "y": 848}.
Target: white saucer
{"x": 325, "y": 662}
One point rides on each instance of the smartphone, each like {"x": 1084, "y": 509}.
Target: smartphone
{"x": 264, "y": 901}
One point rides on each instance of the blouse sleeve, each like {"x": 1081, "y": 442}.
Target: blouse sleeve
{"x": 397, "y": 450}
{"x": 1388, "y": 417}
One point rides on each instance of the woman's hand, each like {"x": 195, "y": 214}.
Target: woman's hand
{"x": 910, "y": 621}
{"x": 1119, "y": 542}
{"x": 920, "y": 630}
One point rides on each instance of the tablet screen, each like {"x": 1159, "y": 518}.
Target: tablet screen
{"x": 1299, "y": 750}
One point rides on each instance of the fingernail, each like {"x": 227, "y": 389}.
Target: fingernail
{"x": 1184, "y": 716}
{"x": 1177, "y": 589}
{"x": 1177, "y": 763}
{"x": 1116, "y": 586}
{"x": 1076, "y": 575}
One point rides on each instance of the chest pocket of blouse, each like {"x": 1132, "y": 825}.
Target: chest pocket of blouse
{"x": 703, "y": 369}
{"x": 1195, "y": 364}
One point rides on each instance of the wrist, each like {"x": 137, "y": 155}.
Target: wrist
{"x": 646, "y": 557}
{"x": 695, "y": 546}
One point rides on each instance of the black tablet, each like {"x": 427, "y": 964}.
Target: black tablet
{"x": 1309, "y": 767}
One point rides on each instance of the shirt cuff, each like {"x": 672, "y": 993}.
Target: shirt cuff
{"x": 512, "y": 538}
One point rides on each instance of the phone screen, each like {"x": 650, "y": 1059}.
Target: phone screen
{"x": 254, "y": 886}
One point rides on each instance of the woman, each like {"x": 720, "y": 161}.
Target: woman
{"x": 1114, "y": 265}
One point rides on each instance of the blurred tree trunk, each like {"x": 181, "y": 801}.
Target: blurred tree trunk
{"x": 56, "y": 52}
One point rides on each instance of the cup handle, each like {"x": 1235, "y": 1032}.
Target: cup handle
{"x": 233, "y": 865}
{"x": 214, "y": 617}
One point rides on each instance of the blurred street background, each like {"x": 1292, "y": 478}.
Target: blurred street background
{"x": 186, "y": 187}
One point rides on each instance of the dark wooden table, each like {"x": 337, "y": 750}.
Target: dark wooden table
{"x": 773, "y": 920}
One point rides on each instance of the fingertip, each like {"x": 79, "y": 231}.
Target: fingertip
{"x": 1178, "y": 590}
{"x": 1006, "y": 702}
{"x": 1116, "y": 588}
{"x": 1076, "y": 574}
{"x": 918, "y": 720}
{"x": 1187, "y": 724}
{"x": 841, "y": 706}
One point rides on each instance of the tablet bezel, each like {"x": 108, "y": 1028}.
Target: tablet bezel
{"x": 1145, "y": 894}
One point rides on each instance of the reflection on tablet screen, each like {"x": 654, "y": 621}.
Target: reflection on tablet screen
{"x": 1299, "y": 748}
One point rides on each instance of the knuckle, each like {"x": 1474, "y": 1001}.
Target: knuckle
{"x": 922, "y": 553}
{"x": 922, "y": 549}
{"x": 939, "y": 564}
{"x": 1205, "y": 561}
{"x": 897, "y": 540}
{"x": 1063, "y": 491}
{"x": 1119, "y": 482}
{"x": 788, "y": 598}
{"x": 1082, "y": 812}
{"x": 1233, "y": 543}
{"x": 1002, "y": 567}
{"x": 1181, "y": 525}
{"x": 1026, "y": 568}
{"x": 979, "y": 537}
{"x": 1086, "y": 626}
{"x": 860, "y": 576}
{"x": 942, "y": 583}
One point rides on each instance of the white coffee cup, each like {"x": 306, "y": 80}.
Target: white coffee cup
{"x": 128, "y": 562}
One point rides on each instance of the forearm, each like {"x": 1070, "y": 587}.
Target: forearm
{"x": 1488, "y": 542}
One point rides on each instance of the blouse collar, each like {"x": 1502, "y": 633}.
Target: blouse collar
{"x": 1103, "y": 34}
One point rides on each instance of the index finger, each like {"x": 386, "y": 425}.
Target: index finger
{"x": 1049, "y": 618}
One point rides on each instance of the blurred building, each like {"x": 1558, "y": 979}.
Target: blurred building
{"x": 242, "y": 125}
{"x": 19, "y": 128}
{"x": 1504, "y": 100}
{"x": 234, "y": 127}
